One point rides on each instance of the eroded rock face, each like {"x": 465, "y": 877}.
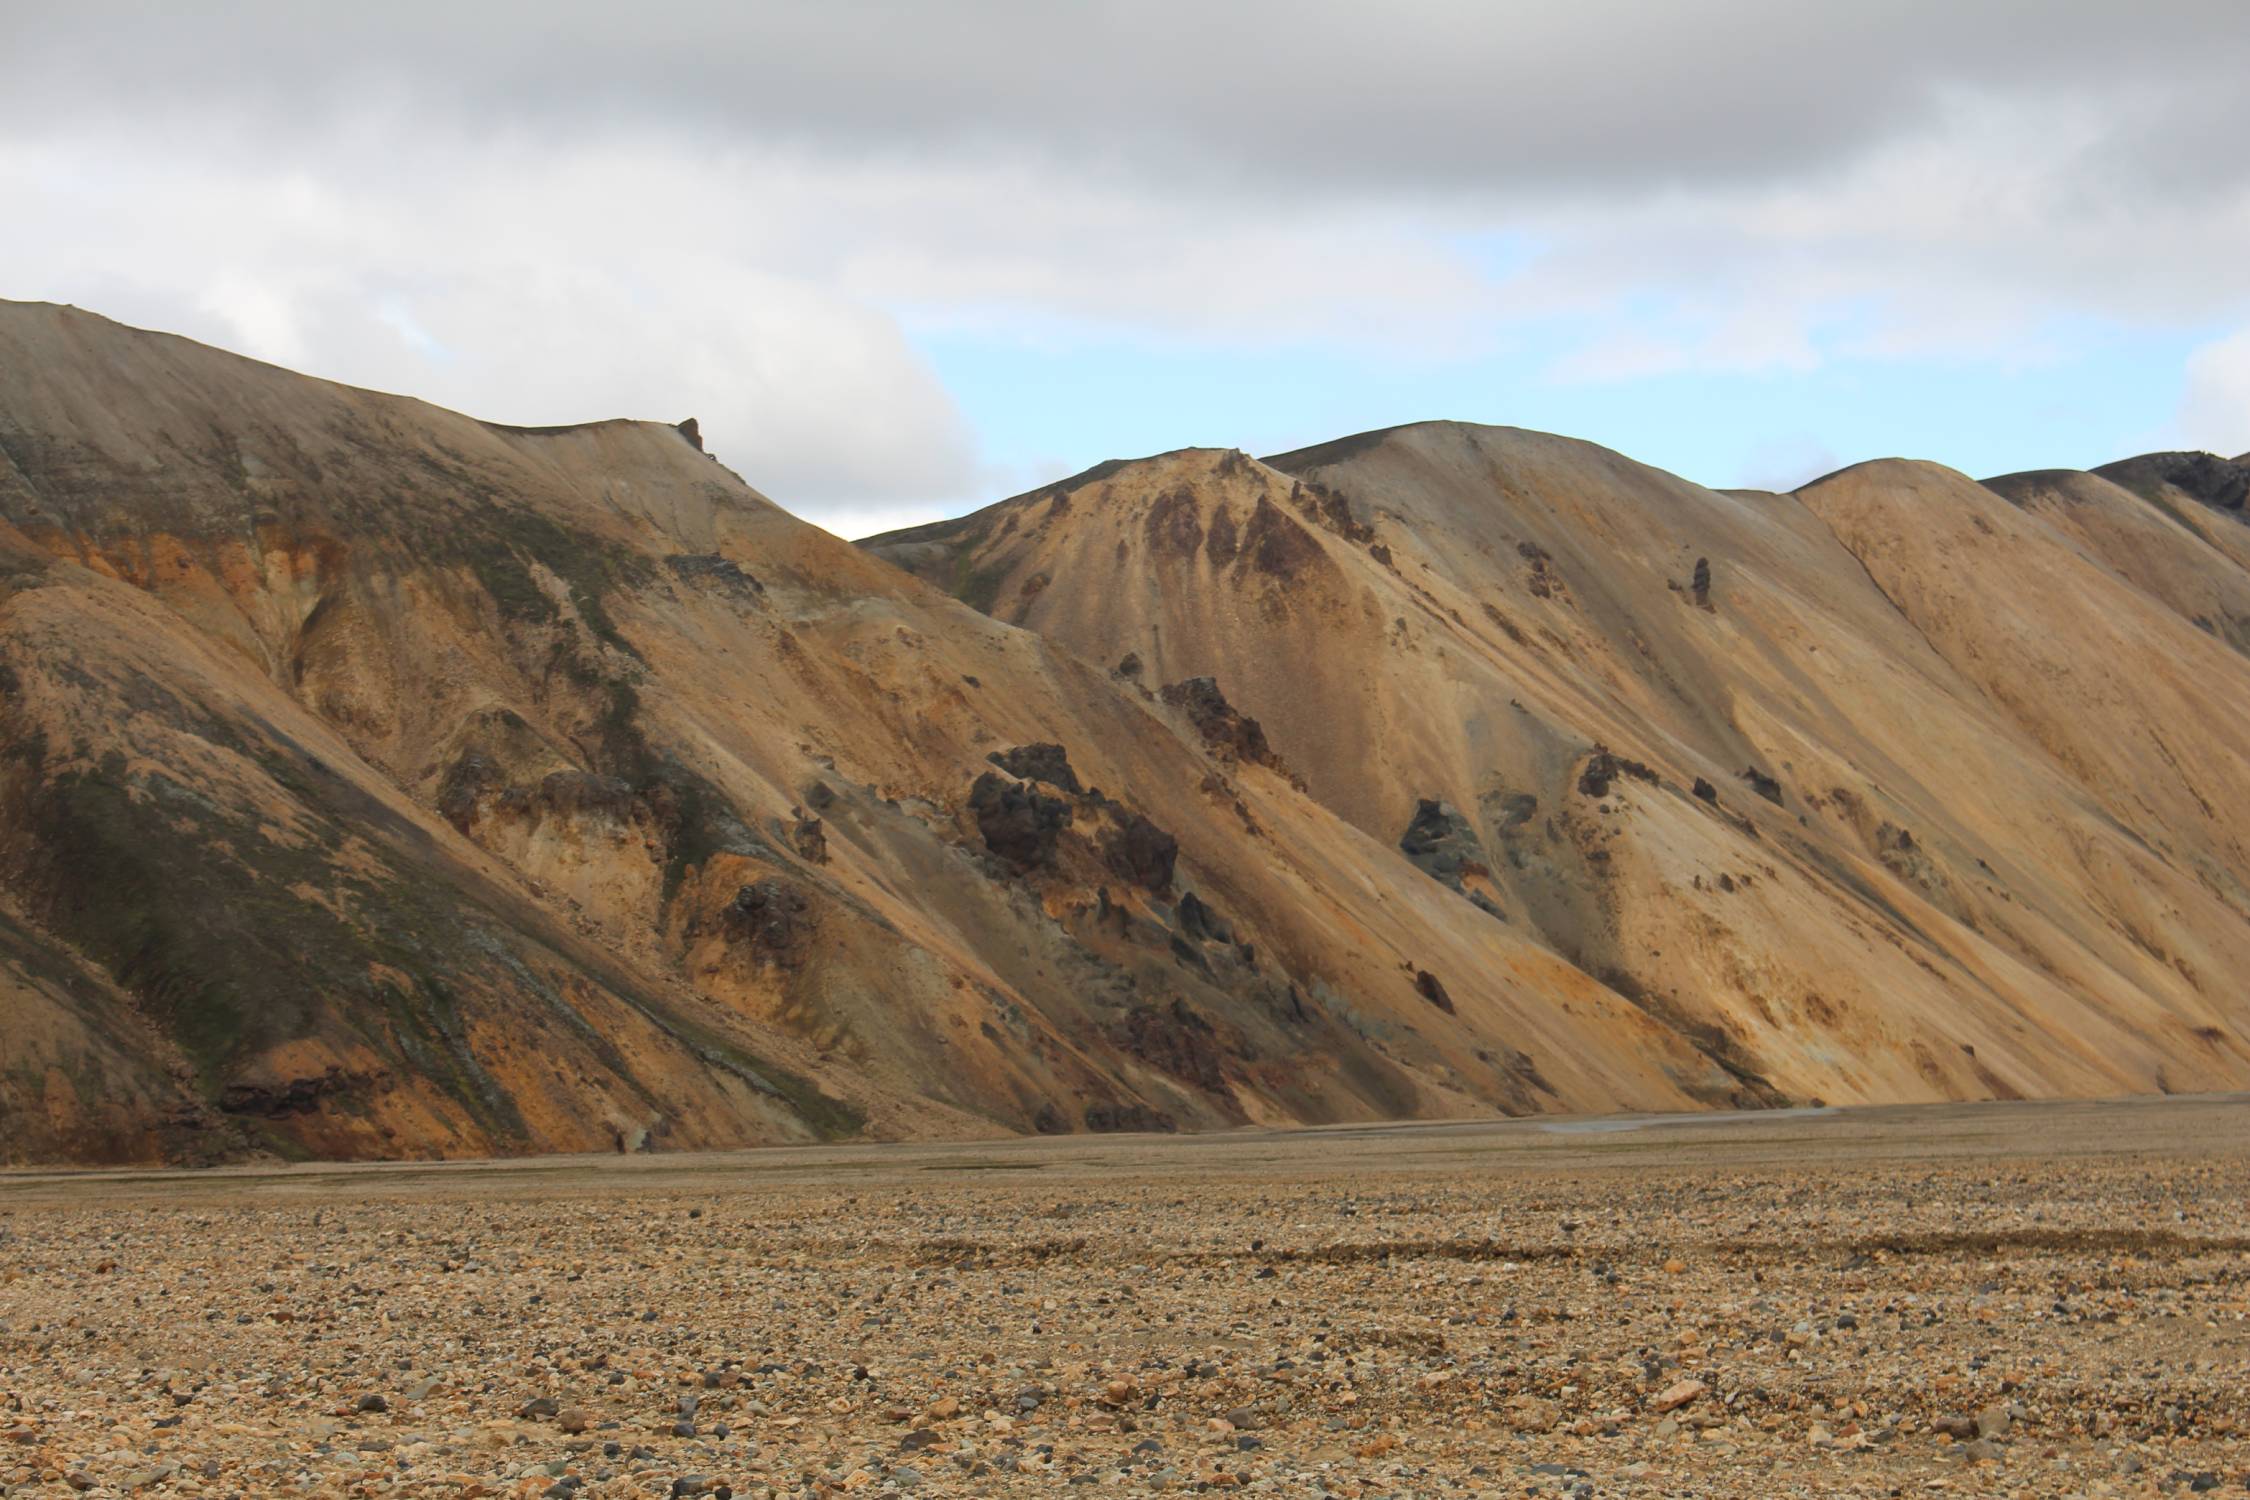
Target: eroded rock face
{"x": 585, "y": 792}
{"x": 295, "y": 1096}
{"x": 1764, "y": 785}
{"x": 1039, "y": 762}
{"x": 1603, "y": 768}
{"x": 1223, "y": 542}
{"x": 476, "y": 787}
{"x": 774, "y": 920}
{"x": 1018, "y": 824}
{"x": 1199, "y": 922}
{"x": 1276, "y": 545}
{"x": 1131, "y": 1117}
{"x": 712, "y": 570}
{"x": 1440, "y": 841}
{"x": 464, "y": 786}
{"x": 1429, "y": 988}
{"x": 2223, "y": 483}
{"x": 1175, "y": 524}
{"x": 1222, "y": 726}
{"x": 1329, "y": 510}
{"x": 1176, "y": 1039}
{"x": 1141, "y": 852}
{"x": 809, "y": 837}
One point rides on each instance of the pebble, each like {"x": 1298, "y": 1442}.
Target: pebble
{"x": 1808, "y": 1328}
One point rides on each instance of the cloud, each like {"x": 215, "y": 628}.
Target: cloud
{"x": 1415, "y": 96}
{"x": 2215, "y": 410}
{"x": 521, "y": 287}
{"x": 752, "y": 213}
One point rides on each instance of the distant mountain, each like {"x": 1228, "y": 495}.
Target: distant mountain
{"x": 1896, "y": 787}
{"x": 379, "y": 782}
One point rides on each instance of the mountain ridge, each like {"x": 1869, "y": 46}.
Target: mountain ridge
{"x": 375, "y": 781}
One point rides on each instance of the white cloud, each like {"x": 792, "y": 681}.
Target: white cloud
{"x": 2215, "y": 410}
{"x": 521, "y": 289}
{"x": 748, "y": 213}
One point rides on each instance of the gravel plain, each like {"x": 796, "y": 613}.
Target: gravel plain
{"x": 2019, "y": 1299}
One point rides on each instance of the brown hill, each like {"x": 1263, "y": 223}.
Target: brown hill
{"x": 377, "y": 781}
{"x": 1885, "y": 789}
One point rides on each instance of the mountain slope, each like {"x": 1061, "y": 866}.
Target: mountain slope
{"x": 375, "y": 781}
{"x": 1838, "y": 784}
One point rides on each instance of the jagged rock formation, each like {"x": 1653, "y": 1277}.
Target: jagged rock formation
{"x": 379, "y": 782}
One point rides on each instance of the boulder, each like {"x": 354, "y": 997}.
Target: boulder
{"x": 1018, "y": 824}
{"x": 1039, "y": 762}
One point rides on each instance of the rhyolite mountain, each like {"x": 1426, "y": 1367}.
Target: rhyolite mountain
{"x": 375, "y": 782}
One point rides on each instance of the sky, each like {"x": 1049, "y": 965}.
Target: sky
{"x": 901, "y": 260}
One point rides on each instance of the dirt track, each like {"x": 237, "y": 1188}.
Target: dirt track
{"x": 1737, "y": 1306}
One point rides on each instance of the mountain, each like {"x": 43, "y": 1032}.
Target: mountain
{"x": 378, "y": 782}
{"x": 375, "y": 781}
{"x": 1899, "y": 786}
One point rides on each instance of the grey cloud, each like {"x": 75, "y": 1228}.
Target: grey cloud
{"x": 747, "y": 210}
{"x": 1470, "y": 99}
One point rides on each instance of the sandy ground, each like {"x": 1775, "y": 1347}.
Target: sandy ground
{"x": 1975, "y": 1300}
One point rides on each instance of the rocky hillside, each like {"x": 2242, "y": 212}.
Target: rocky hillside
{"x": 1897, "y": 787}
{"x": 379, "y": 782}
{"x": 376, "y": 781}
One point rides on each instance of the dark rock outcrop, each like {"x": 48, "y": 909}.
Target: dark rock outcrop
{"x": 1221, "y": 544}
{"x": 2223, "y": 483}
{"x": 1017, "y": 823}
{"x": 1198, "y": 921}
{"x": 1221, "y": 725}
{"x": 1141, "y": 852}
{"x": 1764, "y": 785}
{"x": 1427, "y": 986}
{"x": 809, "y": 837}
{"x": 712, "y": 570}
{"x": 1175, "y": 524}
{"x": 464, "y": 786}
{"x": 1541, "y": 580}
{"x": 1329, "y": 510}
{"x": 1700, "y": 587}
{"x": 1276, "y": 545}
{"x": 1129, "y": 1117}
{"x": 475, "y": 787}
{"x": 1441, "y": 842}
{"x": 297, "y": 1096}
{"x": 1175, "y": 1039}
{"x": 583, "y": 792}
{"x": 1602, "y": 768}
{"x": 772, "y": 918}
{"x": 1039, "y": 762}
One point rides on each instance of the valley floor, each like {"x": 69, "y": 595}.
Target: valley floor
{"x": 2040, "y": 1299}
